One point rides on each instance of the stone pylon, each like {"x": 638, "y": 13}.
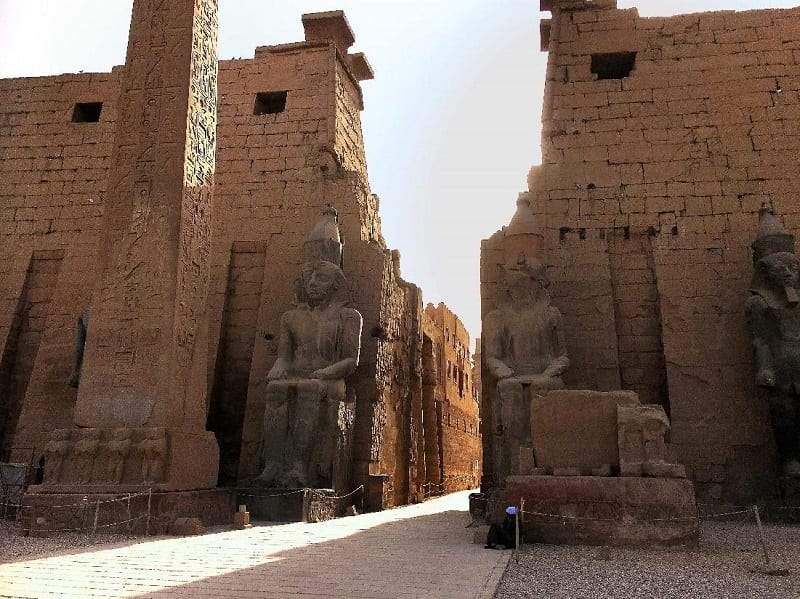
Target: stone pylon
{"x": 142, "y": 400}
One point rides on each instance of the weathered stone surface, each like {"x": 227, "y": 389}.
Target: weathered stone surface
{"x": 183, "y": 527}
{"x": 603, "y": 511}
{"x": 645, "y": 206}
{"x": 577, "y": 429}
{"x": 642, "y": 432}
{"x": 47, "y": 511}
{"x": 61, "y": 215}
{"x": 774, "y": 319}
{"x": 524, "y": 356}
{"x": 307, "y": 424}
{"x": 451, "y": 423}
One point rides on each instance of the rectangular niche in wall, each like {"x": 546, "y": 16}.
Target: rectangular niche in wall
{"x": 22, "y": 345}
{"x": 270, "y": 103}
{"x": 615, "y": 65}
{"x": 87, "y": 112}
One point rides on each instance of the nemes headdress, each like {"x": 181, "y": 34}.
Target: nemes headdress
{"x": 772, "y": 237}
{"x": 529, "y": 267}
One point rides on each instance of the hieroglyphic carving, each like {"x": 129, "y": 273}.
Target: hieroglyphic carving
{"x": 85, "y": 452}
{"x": 56, "y": 451}
{"x": 107, "y": 457}
{"x": 195, "y": 235}
{"x": 154, "y": 289}
{"x": 115, "y": 452}
{"x": 154, "y": 455}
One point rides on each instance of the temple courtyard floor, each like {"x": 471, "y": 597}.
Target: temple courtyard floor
{"x": 422, "y": 550}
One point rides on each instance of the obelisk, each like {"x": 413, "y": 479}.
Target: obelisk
{"x": 143, "y": 382}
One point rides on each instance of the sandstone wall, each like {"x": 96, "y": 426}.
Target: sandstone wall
{"x": 650, "y": 187}
{"x": 448, "y": 375}
{"x": 276, "y": 172}
{"x": 52, "y": 183}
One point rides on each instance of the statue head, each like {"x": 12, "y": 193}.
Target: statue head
{"x": 120, "y": 434}
{"x": 525, "y": 282}
{"x": 91, "y": 434}
{"x": 320, "y": 282}
{"x": 781, "y": 269}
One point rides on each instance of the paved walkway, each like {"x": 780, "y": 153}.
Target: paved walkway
{"x": 415, "y": 551}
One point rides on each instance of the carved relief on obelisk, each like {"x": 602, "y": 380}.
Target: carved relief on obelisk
{"x": 145, "y": 356}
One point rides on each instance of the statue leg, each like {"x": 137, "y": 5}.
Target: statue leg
{"x": 275, "y": 432}
{"x": 784, "y": 415}
{"x": 330, "y": 434}
{"x": 306, "y": 417}
{"x": 516, "y": 423}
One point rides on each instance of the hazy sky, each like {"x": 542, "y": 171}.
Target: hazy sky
{"x": 451, "y": 120}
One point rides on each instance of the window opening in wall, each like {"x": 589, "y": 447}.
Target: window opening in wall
{"x": 616, "y": 65}
{"x": 270, "y": 102}
{"x": 87, "y": 112}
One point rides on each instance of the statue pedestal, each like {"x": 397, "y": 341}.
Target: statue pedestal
{"x": 46, "y": 513}
{"x": 601, "y": 510}
{"x": 296, "y": 505}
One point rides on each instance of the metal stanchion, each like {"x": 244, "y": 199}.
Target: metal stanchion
{"x": 96, "y": 516}
{"x": 149, "y": 503}
{"x": 768, "y": 569}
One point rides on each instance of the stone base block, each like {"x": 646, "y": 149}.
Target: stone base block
{"x": 127, "y": 460}
{"x": 296, "y": 505}
{"x": 45, "y": 514}
{"x": 592, "y": 510}
{"x": 577, "y": 429}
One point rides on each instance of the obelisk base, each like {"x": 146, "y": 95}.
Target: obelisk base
{"x": 129, "y": 460}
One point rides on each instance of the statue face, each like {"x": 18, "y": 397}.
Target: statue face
{"x": 523, "y": 288}
{"x": 321, "y": 281}
{"x": 782, "y": 269}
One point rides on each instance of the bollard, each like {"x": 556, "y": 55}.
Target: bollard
{"x": 149, "y": 502}
{"x": 768, "y": 569}
{"x": 96, "y": 516}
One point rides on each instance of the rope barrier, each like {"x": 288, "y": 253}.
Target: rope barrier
{"x": 267, "y": 495}
{"x": 332, "y": 497}
{"x": 85, "y": 502}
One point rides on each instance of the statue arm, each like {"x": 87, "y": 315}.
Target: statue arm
{"x": 757, "y": 319}
{"x": 494, "y": 348}
{"x": 560, "y": 362}
{"x": 280, "y": 370}
{"x": 351, "y": 325}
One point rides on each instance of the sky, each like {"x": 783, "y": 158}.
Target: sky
{"x": 451, "y": 121}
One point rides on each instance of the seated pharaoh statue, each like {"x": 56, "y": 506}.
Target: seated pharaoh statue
{"x": 773, "y": 312}
{"x": 525, "y": 352}
{"x": 305, "y": 419}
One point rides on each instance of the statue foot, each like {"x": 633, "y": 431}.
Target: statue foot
{"x": 268, "y": 475}
{"x": 791, "y": 469}
{"x": 294, "y": 478}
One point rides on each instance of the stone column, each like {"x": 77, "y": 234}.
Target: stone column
{"x": 146, "y": 351}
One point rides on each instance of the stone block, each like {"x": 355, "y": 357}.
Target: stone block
{"x": 186, "y": 527}
{"x": 577, "y": 429}
{"x": 241, "y": 520}
{"x": 603, "y": 511}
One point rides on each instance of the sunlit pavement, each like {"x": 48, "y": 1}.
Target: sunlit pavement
{"x": 416, "y": 551}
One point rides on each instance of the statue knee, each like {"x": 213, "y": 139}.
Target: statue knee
{"x": 509, "y": 388}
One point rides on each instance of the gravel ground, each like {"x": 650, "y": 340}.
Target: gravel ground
{"x": 14, "y": 547}
{"x": 723, "y": 566}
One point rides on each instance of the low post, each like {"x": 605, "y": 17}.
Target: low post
{"x": 96, "y": 516}
{"x": 306, "y": 514}
{"x": 763, "y": 539}
{"x": 149, "y": 504}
